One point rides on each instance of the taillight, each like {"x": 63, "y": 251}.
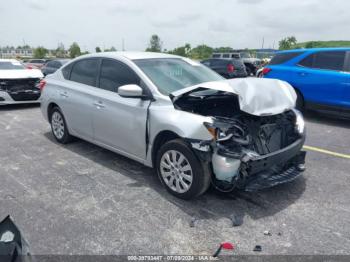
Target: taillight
{"x": 29, "y": 67}
{"x": 230, "y": 68}
{"x": 42, "y": 84}
{"x": 266, "y": 70}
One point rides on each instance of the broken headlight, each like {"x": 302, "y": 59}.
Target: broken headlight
{"x": 217, "y": 134}
{"x": 299, "y": 122}
{"x": 233, "y": 131}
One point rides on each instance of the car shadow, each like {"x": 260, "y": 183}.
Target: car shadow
{"x": 212, "y": 205}
{"x": 18, "y": 107}
{"x": 326, "y": 119}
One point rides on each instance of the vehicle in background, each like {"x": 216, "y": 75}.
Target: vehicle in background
{"x": 35, "y": 63}
{"x": 228, "y": 68}
{"x": 320, "y": 76}
{"x": 176, "y": 115}
{"x": 18, "y": 84}
{"x": 251, "y": 64}
{"x": 51, "y": 66}
{"x": 259, "y": 72}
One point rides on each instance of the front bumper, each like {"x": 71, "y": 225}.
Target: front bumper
{"x": 262, "y": 171}
{"x": 6, "y": 99}
{"x": 277, "y": 174}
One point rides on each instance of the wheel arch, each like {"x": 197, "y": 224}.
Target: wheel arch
{"x": 299, "y": 93}
{"x": 161, "y": 138}
{"x": 50, "y": 107}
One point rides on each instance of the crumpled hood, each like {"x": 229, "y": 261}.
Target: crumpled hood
{"x": 20, "y": 73}
{"x": 257, "y": 96}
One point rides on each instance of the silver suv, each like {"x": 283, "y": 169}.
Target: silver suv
{"x": 178, "y": 116}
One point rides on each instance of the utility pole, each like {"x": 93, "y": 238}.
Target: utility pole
{"x": 123, "y": 44}
{"x": 263, "y": 42}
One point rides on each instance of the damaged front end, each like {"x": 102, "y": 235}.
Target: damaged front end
{"x": 253, "y": 153}
{"x": 25, "y": 89}
{"x": 249, "y": 151}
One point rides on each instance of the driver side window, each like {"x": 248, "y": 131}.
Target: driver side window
{"x": 115, "y": 74}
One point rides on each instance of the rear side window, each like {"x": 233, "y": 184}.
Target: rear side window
{"x": 66, "y": 71}
{"x": 115, "y": 74}
{"x": 332, "y": 60}
{"x": 206, "y": 62}
{"x": 283, "y": 57}
{"x": 219, "y": 62}
{"x": 237, "y": 62}
{"x": 85, "y": 72}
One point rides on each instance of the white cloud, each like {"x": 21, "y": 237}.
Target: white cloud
{"x": 240, "y": 23}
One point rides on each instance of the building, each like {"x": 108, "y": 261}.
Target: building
{"x": 26, "y": 52}
{"x": 12, "y": 52}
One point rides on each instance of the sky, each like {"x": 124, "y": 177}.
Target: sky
{"x": 234, "y": 23}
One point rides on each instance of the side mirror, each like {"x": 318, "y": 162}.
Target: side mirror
{"x": 130, "y": 91}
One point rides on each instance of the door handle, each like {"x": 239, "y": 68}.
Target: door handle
{"x": 64, "y": 94}
{"x": 99, "y": 104}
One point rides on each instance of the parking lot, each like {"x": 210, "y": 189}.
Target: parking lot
{"x": 82, "y": 199}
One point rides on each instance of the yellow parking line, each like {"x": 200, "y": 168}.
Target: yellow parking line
{"x": 324, "y": 151}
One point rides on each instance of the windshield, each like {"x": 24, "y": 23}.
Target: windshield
{"x": 11, "y": 65}
{"x": 172, "y": 74}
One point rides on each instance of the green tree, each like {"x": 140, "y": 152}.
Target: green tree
{"x": 223, "y": 49}
{"x": 74, "y": 50}
{"x": 311, "y": 44}
{"x": 287, "y": 43}
{"x": 60, "y": 52}
{"x": 182, "y": 50}
{"x": 98, "y": 49}
{"x": 201, "y": 52}
{"x": 112, "y": 49}
{"x": 40, "y": 52}
{"x": 155, "y": 44}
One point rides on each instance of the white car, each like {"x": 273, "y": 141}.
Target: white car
{"x": 18, "y": 84}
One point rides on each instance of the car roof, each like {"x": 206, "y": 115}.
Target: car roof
{"x": 131, "y": 55}
{"x": 60, "y": 60}
{"x": 315, "y": 49}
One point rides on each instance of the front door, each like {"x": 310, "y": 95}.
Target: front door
{"x": 119, "y": 122}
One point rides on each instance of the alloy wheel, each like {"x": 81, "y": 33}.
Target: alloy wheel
{"x": 57, "y": 125}
{"x": 176, "y": 171}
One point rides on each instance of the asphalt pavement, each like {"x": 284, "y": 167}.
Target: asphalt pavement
{"x": 82, "y": 199}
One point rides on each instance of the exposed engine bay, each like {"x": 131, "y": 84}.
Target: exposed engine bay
{"x": 247, "y": 146}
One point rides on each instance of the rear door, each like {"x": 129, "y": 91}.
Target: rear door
{"x": 322, "y": 79}
{"x": 347, "y": 70}
{"x": 77, "y": 96}
{"x": 119, "y": 122}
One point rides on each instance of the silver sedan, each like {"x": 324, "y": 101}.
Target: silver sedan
{"x": 176, "y": 115}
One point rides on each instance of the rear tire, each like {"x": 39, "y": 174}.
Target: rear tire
{"x": 180, "y": 171}
{"x": 59, "y": 127}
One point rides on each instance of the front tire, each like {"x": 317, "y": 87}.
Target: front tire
{"x": 59, "y": 126}
{"x": 180, "y": 171}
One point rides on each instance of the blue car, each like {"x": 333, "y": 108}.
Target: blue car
{"x": 320, "y": 76}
